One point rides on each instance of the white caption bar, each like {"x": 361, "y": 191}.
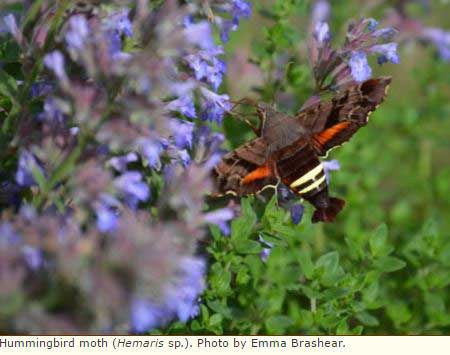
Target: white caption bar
{"x": 367, "y": 345}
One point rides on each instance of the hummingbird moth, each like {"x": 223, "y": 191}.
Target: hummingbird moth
{"x": 287, "y": 148}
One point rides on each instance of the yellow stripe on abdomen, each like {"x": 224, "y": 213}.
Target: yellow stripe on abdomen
{"x": 308, "y": 176}
{"x": 313, "y": 185}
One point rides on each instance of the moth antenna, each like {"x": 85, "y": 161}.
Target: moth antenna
{"x": 239, "y": 115}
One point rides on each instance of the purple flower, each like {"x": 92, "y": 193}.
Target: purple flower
{"x": 199, "y": 34}
{"x": 27, "y": 164}
{"x": 120, "y": 163}
{"x": 146, "y": 315}
{"x": 120, "y": 23}
{"x": 207, "y": 67}
{"x": 384, "y": 33}
{"x": 328, "y": 166}
{"x": 182, "y": 133}
{"x": 322, "y": 33}
{"x": 117, "y": 25}
{"x": 220, "y": 218}
{"x": 8, "y": 235}
{"x": 265, "y": 253}
{"x": 441, "y": 39}
{"x": 10, "y": 194}
{"x": 55, "y": 62}
{"x": 388, "y": 52}
{"x": 227, "y": 26}
{"x": 372, "y": 24}
{"x": 151, "y": 150}
{"x": 297, "y": 213}
{"x": 183, "y": 105}
{"x": 212, "y": 161}
{"x": 107, "y": 217}
{"x": 241, "y": 9}
{"x": 41, "y": 88}
{"x": 11, "y": 26}
{"x": 78, "y": 32}
{"x": 52, "y": 112}
{"x": 33, "y": 257}
{"x": 184, "y": 157}
{"x": 132, "y": 188}
{"x": 214, "y": 72}
{"x": 320, "y": 11}
{"x": 214, "y": 106}
{"x": 359, "y": 66}
{"x": 182, "y": 296}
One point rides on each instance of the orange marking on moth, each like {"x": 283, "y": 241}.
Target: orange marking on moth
{"x": 257, "y": 174}
{"x": 324, "y": 136}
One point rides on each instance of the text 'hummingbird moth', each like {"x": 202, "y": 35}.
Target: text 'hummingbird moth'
{"x": 288, "y": 148}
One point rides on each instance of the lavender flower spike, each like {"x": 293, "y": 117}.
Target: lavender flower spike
{"x": 184, "y": 105}
{"x": 220, "y": 218}
{"x": 182, "y": 296}
{"x": 199, "y": 34}
{"x": 146, "y": 315}
{"x": 27, "y": 164}
{"x": 320, "y": 11}
{"x": 322, "y": 33}
{"x": 78, "y": 32}
{"x": 132, "y": 188}
{"x": 11, "y": 25}
{"x": 387, "y": 51}
{"x": 441, "y": 39}
{"x": 55, "y": 62}
{"x": 359, "y": 66}
{"x": 214, "y": 106}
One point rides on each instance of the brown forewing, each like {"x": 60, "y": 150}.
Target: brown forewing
{"x": 239, "y": 163}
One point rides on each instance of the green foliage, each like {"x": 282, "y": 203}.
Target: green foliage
{"x": 384, "y": 266}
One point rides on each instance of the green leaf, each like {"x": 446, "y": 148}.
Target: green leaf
{"x": 220, "y": 279}
{"x": 247, "y": 246}
{"x": 389, "y": 264}
{"x": 242, "y": 227}
{"x": 219, "y": 307}
{"x": 242, "y": 276}
{"x": 8, "y": 86}
{"x": 328, "y": 263}
{"x": 278, "y": 324}
{"x": 367, "y": 319}
{"x": 215, "y": 319}
{"x": 307, "y": 267}
{"x": 378, "y": 240}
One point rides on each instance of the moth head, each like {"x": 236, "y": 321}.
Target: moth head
{"x": 263, "y": 109}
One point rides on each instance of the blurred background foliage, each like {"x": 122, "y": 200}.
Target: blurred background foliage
{"x": 384, "y": 266}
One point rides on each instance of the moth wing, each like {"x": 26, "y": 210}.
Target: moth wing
{"x": 350, "y": 111}
{"x": 245, "y": 170}
{"x": 313, "y": 117}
